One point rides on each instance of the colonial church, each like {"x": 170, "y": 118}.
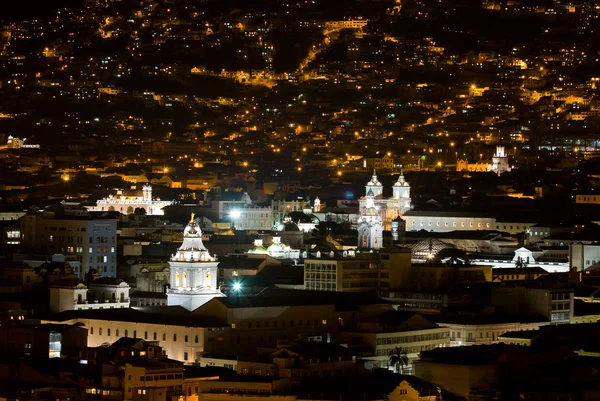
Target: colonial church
{"x": 388, "y": 208}
{"x": 370, "y": 224}
{"x": 193, "y": 271}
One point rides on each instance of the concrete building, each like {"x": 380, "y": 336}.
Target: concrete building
{"x": 552, "y": 304}
{"x": 352, "y": 271}
{"x": 383, "y": 334}
{"x": 282, "y": 208}
{"x": 92, "y": 241}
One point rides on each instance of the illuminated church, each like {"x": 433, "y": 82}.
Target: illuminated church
{"x": 388, "y": 208}
{"x": 126, "y": 201}
{"x": 370, "y": 224}
{"x": 193, "y": 271}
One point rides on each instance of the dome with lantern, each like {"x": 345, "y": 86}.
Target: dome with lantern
{"x": 258, "y": 247}
{"x": 192, "y": 249}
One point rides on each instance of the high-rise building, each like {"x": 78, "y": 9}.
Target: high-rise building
{"x": 94, "y": 241}
{"x": 193, "y": 271}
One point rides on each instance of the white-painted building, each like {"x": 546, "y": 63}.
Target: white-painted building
{"x": 246, "y": 216}
{"x": 193, "y": 272}
{"x": 389, "y": 208}
{"x": 183, "y": 338}
{"x": 104, "y": 294}
{"x": 126, "y": 201}
{"x": 485, "y": 333}
{"x": 447, "y": 221}
{"x": 526, "y": 257}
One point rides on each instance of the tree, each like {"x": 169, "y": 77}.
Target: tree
{"x": 398, "y": 359}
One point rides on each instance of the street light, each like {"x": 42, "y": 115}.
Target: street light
{"x": 235, "y": 214}
{"x": 237, "y": 286}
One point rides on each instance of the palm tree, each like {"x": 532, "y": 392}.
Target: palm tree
{"x": 398, "y": 359}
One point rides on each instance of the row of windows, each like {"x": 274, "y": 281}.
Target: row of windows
{"x": 320, "y": 267}
{"x": 560, "y": 316}
{"x": 161, "y": 377}
{"x": 561, "y": 296}
{"x": 454, "y": 224}
{"x": 408, "y": 350}
{"x": 561, "y": 306}
{"x": 320, "y": 286}
{"x": 412, "y": 339}
{"x": 283, "y": 323}
{"x": 68, "y": 228}
{"x": 321, "y": 276}
{"x": 457, "y": 335}
{"x": 154, "y": 336}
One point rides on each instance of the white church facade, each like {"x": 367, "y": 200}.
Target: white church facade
{"x": 193, "y": 272}
{"x": 126, "y": 201}
{"x": 388, "y": 208}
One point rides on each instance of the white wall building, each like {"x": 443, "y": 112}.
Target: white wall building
{"x": 389, "y": 208}
{"x": 193, "y": 272}
{"x": 525, "y": 257}
{"x": 447, "y": 221}
{"x": 75, "y": 297}
{"x": 127, "y": 201}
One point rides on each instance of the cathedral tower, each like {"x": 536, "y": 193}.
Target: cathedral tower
{"x": 370, "y": 225}
{"x": 193, "y": 271}
{"x": 374, "y": 185}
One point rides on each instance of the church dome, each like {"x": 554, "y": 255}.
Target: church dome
{"x": 370, "y": 193}
{"x": 246, "y": 198}
{"x": 401, "y": 181}
{"x": 192, "y": 248}
{"x": 290, "y": 226}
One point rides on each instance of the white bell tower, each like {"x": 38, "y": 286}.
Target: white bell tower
{"x": 401, "y": 192}
{"x": 374, "y": 185}
{"x": 370, "y": 225}
{"x": 193, "y": 271}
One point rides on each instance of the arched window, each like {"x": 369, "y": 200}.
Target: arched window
{"x": 108, "y": 332}
{"x": 117, "y": 332}
{"x": 92, "y": 330}
{"x": 145, "y": 335}
{"x": 154, "y": 336}
{"x": 164, "y": 336}
{"x": 126, "y": 333}
{"x": 134, "y": 333}
{"x": 207, "y": 284}
{"x": 174, "y": 337}
{"x": 177, "y": 279}
{"x": 100, "y": 331}
{"x": 185, "y": 339}
{"x": 196, "y": 340}
{"x": 184, "y": 280}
